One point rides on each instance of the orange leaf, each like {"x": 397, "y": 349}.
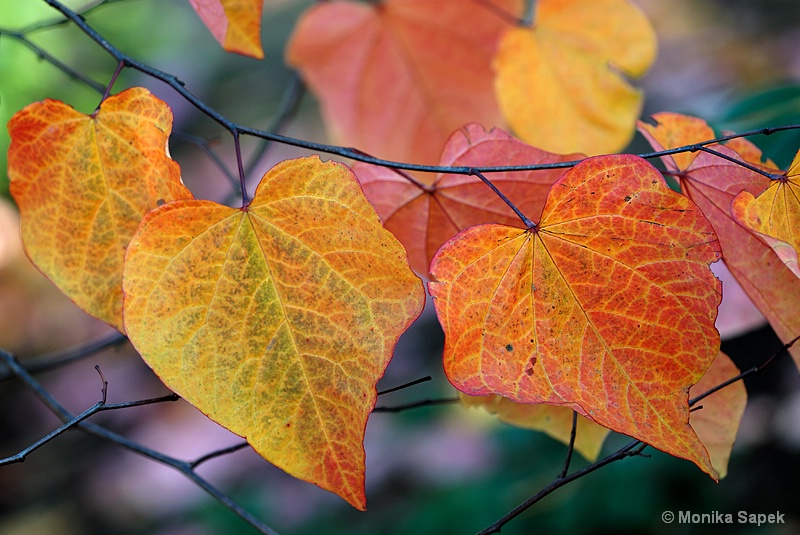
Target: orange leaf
{"x": 83, "y": 184}
{"x": 561, "y": 84}
{"x": 236, "y": 24}
{"x": 554, "y": 420}
{"x": 425, "y": 215}
{"x": 276, "y": 320}
{"x": 775, "y": 215}
{"x": 718, "y": 421}
{"x": 396, "y": 78}
{"x": 606, "y": 307}
{"x": 712, "y": 183}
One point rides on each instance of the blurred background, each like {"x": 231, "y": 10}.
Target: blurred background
{"x": 438, "y": 469}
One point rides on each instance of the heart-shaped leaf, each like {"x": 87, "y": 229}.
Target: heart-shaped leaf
{"x": 276, "y": 320}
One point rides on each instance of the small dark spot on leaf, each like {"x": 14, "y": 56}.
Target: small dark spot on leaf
{"x": 627, "y": 198}
{"x": 160, "y": 202}
{"x": 509, "y": 348}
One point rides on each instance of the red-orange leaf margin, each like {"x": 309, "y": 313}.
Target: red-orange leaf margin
{"x": 607, "y": 306}
{"x": 83, "y": 183}
{"x": 276, "y": 320}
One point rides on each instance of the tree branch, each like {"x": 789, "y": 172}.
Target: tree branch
{"x": 184, "y": 467}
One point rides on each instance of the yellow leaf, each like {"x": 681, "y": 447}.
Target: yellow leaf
{"x": 774, "y": 216}
{"x": 236, "y": 24}
{"x": 554, "y": 420}
{"x": 83, "y": 184}
{"x": 278, "y": 319}
{"x": 561, "y": 84}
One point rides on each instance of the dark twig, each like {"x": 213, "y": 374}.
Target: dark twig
{"x": 634, "y": 448}
{"x": 66, "y": 356}
{"x": 527, "y": 222}
{"x": 742, "y": 163}
{"x": 46, "y": 56}
{"x": 206, "y": 146}
{"x": 571, "y": 445}
{"x": 416, "y": 404}
{"x": 630, "y": 450}
{"x": 100, "y": 406}
{"x": 185, "y": 467}
{"x": 178, "y": 86}
{"x": 747, "y": 373}
{"x": 214, "y": 454}
{"x": 406, "y": 385}
{"x": 286, "y": 110}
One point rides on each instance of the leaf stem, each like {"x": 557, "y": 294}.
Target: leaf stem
{"x": 571, "y": 446}
{"x": 527, "y": 222}
{"x": 406, "y": 385}
{"x": 240, "y": 165}
{"x": 771, "y": 176}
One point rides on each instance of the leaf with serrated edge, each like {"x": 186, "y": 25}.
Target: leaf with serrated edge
{"x": 718, "y": 421}
{"x": 607, "y": 306}
{"x": 83, "y": 183}
{"x": 424, "y": 215}
{"x": 712, "y": 183}
{"x": 235, "y": 24}
{"x": 561, "y": 83}
{"x": 276, "y": 320}
{"x": 554, "y": 420}
{"x": 774, "y": 215}
{"x": 396, "y": 78}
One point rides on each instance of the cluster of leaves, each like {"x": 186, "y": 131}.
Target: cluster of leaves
{"x": 562, "y": 282}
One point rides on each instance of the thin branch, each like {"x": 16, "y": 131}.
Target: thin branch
{"x": 406, "y": 385}
{"x": 416, "y": 404}
{"x": 527, "y": 222}
{"x": 46, "y": 56}
{"x": 747, "y": 373}
{"x": 185, "y": 467}
{"x": 348, "y": 152}
{"x": 100, "y": 406}
{"x": 742, "y": 163}
{"x": 218, "y": 453}
{"x": 630, "y": 450}
{"x": 286, "y": 110}
{"x": 67, "y": 356}
{"x": 205, "y": 146}
{"x": 571, "y": 446}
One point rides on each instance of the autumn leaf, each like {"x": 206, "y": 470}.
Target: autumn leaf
{"x": 606, "y": 307}
{"x": 562, "y": 83}
{"x": 83, "y": 183}
{"x": 718, "y": 421}
{"x": 775, "y": 215}
{"x": 396, "y": 78}
{"x": 276, "y": 320}
{"x": 554, "y": 420}
{"x": 236, "y": 24}
{"x": 712, "y": 183}
{"x": 424, "y": 215}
